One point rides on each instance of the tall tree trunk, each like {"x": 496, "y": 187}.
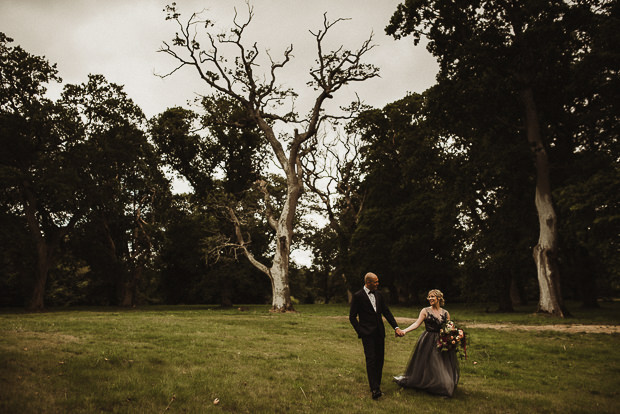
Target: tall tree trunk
{"x": 130, "y": 287}
{"x": 121, "y": 293}
{"x": 281, "y": 298}
{"x": 226, "y": 288}
{"x": 279, "y": 272}
{"x": 44, "y": 252}
{"x": 37, "y": 300}
{"x": 516, "y": 296}
{"x": 545, "y": 252}
{"x": 586, "y": 269}
{"x": 126, "y": 295}
{"x": 504, "y": 298}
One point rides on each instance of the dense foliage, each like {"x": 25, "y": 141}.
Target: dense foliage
{"x": 538, "y": 74}
{"x": 439, "y": 193}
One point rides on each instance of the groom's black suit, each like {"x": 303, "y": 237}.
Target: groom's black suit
{"x": 370, "y": 329}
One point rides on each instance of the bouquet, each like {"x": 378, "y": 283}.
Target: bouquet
{"x": 451, "y": 337}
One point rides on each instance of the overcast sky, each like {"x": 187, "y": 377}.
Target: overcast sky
{"x": 120, "y": 39}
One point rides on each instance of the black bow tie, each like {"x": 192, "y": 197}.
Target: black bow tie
{"x": 370, "y": 292}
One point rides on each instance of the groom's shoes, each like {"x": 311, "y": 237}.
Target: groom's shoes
{"x": 376, "y": 394}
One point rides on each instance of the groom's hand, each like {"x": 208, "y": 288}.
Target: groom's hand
{"x": 399, "y": 332}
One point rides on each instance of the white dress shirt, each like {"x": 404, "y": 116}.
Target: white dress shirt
{"x": 372, "y": 298}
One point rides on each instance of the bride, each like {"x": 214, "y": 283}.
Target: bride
{"x": 430, "y": 369}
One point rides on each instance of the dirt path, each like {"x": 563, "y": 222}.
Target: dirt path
{"x": 570, "y": 328}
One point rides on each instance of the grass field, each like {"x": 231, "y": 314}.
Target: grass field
{"x": 181, "y": 359}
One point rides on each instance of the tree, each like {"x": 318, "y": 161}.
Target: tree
{"x": 127, "y": 191}
{"x": 221, "y": 161}
{"x": 531, "y": 44}
{"x": 261, "y": 98}
{"x": 408, "y": 227}
{"x": 587, "y": 189}
{"x": 17, "y": 257}
{"x": 489, "y": 172}
{"x": 189, "y": 273}
{"x": 41, "y": 158}
{"x": 327, "y": 280}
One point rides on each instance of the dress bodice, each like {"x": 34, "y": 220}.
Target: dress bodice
{"x": 432, "y": 323}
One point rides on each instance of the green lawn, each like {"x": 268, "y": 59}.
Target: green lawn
{"x": 180, "y": 359}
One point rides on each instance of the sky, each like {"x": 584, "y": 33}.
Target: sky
{"x": 120, "y": 39}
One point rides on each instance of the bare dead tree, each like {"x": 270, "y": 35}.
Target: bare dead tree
{"x": 262, "y": 98}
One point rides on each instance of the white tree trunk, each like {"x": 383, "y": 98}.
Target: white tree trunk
{"x": 279, "y": 272}
{"x": 281, "y": 300}
{"x": 545, "y": 252}
{"x": 283, "y": 227}
{"x": 550, "y": 300}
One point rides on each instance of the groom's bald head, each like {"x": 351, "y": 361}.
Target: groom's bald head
{"x": 371, "y": 281}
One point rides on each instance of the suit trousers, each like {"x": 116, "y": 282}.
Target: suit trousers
{"x": 374, "y": 350}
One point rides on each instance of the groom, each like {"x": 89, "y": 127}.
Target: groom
{"x": 367, "y": 306}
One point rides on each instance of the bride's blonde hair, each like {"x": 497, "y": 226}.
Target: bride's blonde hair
{"x": 438, "y": 295}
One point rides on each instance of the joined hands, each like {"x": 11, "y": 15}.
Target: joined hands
{"x": 399, "y": 333}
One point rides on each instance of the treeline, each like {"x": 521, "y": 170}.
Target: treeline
{"x": 436, "y": 190}
{"x": 87, "y": 213}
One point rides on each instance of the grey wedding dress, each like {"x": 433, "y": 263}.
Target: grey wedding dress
{"x": 429, "y": 368}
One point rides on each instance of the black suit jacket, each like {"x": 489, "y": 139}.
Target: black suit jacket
{"x": 363, "y": 317}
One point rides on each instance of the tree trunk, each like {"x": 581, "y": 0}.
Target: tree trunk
{"x": 327, "y": 287}
{"x": 515, "y": 293}
{"x": 44, "y": 252}
{"x": 586, "y": 271}
{"x": 226, "y": 291}
{"x": 346, "y": 285}
{"x": 545, "y": 252}
{"x": 225, "y": 300}
{"x": 279, "y": 272}
{"x": 504, "y": 299}
{"x": 130, "y": 287}
{"x": 37, "y": 301}
{"x": 126, "y": 295}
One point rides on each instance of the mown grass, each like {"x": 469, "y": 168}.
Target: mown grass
{"x": 180, "y": 359}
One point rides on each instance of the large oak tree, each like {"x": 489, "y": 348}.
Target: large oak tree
{"x": 527, "y": 46}
{"x": 41, "y": 158}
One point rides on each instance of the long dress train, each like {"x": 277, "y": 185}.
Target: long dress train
{"x": 429, "y": 368}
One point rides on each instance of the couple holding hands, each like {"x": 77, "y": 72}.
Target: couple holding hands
{"x": 428, "y": 369}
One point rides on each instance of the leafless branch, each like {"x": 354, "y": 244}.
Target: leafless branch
{"x": 329, "y": 174}
{"x": 335, "y": 70}
{"x": 243, "y": 244}
{"x": 269, "y": 212}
